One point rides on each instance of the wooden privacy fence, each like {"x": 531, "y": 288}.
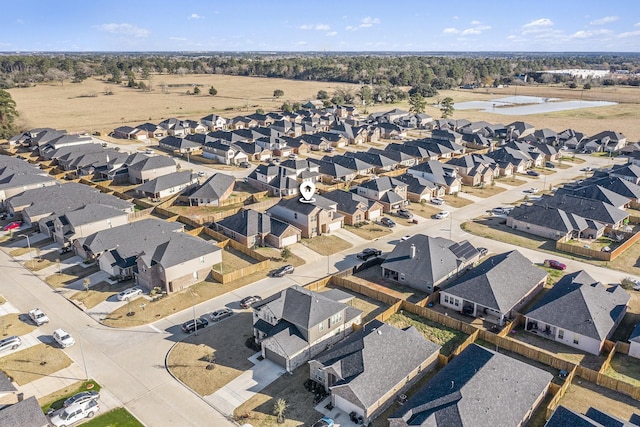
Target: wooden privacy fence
{"x": 582, "y": 251}
{"x": 559, "y": 393}
{"x": 242, "y": 272}
{"x": 623, "y": 247}
{"x": 360, "y": 288}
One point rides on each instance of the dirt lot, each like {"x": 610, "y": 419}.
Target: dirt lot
{"x": 448, "y": 338}
{"x": 582, "y": 395}
{"x": 369, "y": 306}
{"x": 226, "y": 341}
{"x": 15, "y": 324}
{"x": 100, "y": 292}
{"x": 70, "y": 275}
{"x": 483, "y": 191}
{"x": 369, "y": 231}
{"x": 326, "y": 244}
{"x": 233, "y": 260}
{"x": 34, "y": 363}
{"x": 625, "y": 368}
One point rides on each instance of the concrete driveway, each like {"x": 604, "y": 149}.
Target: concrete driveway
{"x": 241, "y": 389}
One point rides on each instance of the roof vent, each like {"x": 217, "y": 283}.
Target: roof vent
{"x": 412, "y": 251}
{"x": 379, "y": 332}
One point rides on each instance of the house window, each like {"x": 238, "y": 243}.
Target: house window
{"x": 576, "y": 339}
{"x": 336, "y": 318}
{"x": 560, "y": 334}
{"x": 321, "y": 326}
{"x": 201, "y": 260}
{"x": 319, "y": 376}
{"x": 195, "y": 275}
{"x": 446, "y": 299}
{"x": 295, "y": 215}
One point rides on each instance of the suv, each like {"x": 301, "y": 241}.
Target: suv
{"x": 405, "y": 213}
{"x": 190, "y": 326}
{"x": 387, "y": 222}
{"x": 369, "y": 253}
{"x": 63, "y": 339}
{"x": 247, "y": 302}
{"x": 38, "y": 317}
{"x": 437, "y": 201}
{"x": 285, "y": 269}
{"x": 82, "y": 397}
{"x": 10, "y": 343}
{"x": 74, "y": 413}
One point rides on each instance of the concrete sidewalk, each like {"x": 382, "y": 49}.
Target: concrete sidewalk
{"x": 241, "y": 389}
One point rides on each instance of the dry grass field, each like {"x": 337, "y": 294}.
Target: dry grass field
{"x": 85, "y": 107}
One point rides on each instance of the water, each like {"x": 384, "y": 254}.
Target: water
{"x": 535, "y": 105}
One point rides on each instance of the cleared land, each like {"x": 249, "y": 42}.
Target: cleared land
{"x": 326, "y": 245}
{"x": 583, "y": 394}
{"x": 369, "y": 231}
{"x": 448, "y": 338}
{"x": 15, "y": 324}
{"x": 34, "y": 363}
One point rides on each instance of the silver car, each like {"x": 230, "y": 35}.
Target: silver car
{"x": 10, "y": 343}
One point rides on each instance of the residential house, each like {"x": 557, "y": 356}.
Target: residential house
{"x": 381, "y": 162}
{"x": 174, "y": 144}
{"x": 440, "y": 174}
{"x": 390, "y": 116}
{"x": 546, "y": 136}
{"x": 419, "y": 189}
{"x": 126, "y": 132}
{"x": 474, "y": 169}
{"x": 391, "y": 131}
{"x": 331, "y": 172}
{"x": 447, "y": 135}
{"x": 84, "y": 221}
{"x": 304, "y": 170}
{"x": 596, "y": 192}
{"x": 608, "y": 141}
{"x": 214, "y": 192}
{"x": 193, "y": 126}
{"x": 167, "y": 185}
{"x": 587, "y": 208}
{"x": 360, "y": 375}
{"x": 361, "y": 167}
{"x": 629, "y": 172}
{"x": 475, "y": 140}
{"x": 16, "y": 176}
{"x": 149, "y": 168}
{"x": 313, "y": 219}
{"x": 297, "y": 145}
{"x": 334, "y": 139}
{"x": 551, "y": 153}
{"x": 634, "y": 342}
{"x": 563, "y": 417}
{"x": 316, "y": 142}
{"x": 444, "y": 148}
{"x": 223, "y": 152}
{"x": 578, "y": 312}
{"x": 552, "y": 223}
{"x": 571, "y": 139}
{"x": 356, "y": 209}
{"x": 355, "y": 135}
{"x": 152, "y": 130}
{"x": 253, "y": 228}
{"x": 520, "y": 160}
{"x": 37, "y": 137}
{"x": 174, "y": 127}
{"x": 424, "y": 262}
{"x": 389, "y": 192}
{"x": 401, "y": 159}
{"x": 489, "y": 291}
{"x": 278, "y": 181}
{"x": 296, "y": 324}
{"x": 517, "y": 130}
{"x": 214, "y": 122}
{"x": 23, "y": 413}
{"x": 619, "y": 186}
{"x": 477, "y": 388}
{"x": 420, "y": 153}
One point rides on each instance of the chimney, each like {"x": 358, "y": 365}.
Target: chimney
{"x": 412, "y": 251}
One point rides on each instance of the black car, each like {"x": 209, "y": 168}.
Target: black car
{"x": 247, "y": 302}
{"x": 533, "y": 173}
{"x": 189, "y": 326}
{"x": 369, "y": 253}
{"x": 405, "y": 213}
{"x": 483, "y": 251}
{"x": 285, "y": 269}
{"x": 550, "y": 165}
{"x": 387, "y": 222}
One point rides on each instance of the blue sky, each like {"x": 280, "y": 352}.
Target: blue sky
{"x": 189, "y": 25}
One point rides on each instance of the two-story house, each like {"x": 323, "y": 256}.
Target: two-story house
{"x": 389, "y": 192}
{"x": 313, "y": 219}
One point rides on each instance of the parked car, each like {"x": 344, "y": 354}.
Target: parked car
{"x": 63, "y": 338}
{"x": 38, "y": 317}
{"x": 483, "y": 251}
{"x": 191, "y": 326}
{"x": 329, "y": 149}
{"x": 587, "y": 169}
{"x": 405, "y": 213}
{"x": 293, "y": 156}
{"x": 405, "y": 237}
{"x": 201, "y": 173}
{"x": 498, "y": 211}
{"x": 148, "y": 151}
{"x": 129, "y": 293}
{"x": 636, "y": 284}
{"x": 437, "y": 201}
{"x": 442, "y": 215}
{"x": 74, "y": 413}
{"x": 387, "y": 222}
{"x": 221, "y": 314}
{"x": 285, "y": 269}
{"x": 368, "y": 253}
{"x": 323, "y": 422}
{"x": 245, "y": 165}
{"x": 531, "y": 190}
{"x": 14, "y": 225}
{"x": 550, "y": 165}
{"x": 10, "y": 343}
{"x": 247, "y": 302}
{"x": 552, "y": 263}
{"x": 533, "y": 173}
{"x": 82, "y": 397}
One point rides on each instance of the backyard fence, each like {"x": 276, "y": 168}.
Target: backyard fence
{"x": 559, "y": 392}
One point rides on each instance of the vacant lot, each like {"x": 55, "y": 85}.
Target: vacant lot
{"x": 483, "y": 190}
{"x": 448, "y": 338}
{"x": 582, "y": 395}
{"x": 258, "y": 411}
{"x": 15, "y": 324}
{"x": 221, "y": 345}
{"x": 34, "y": 363}
{"x": 455, "y": 201}
{"x": 369, "y": 231}
{"x": 100, "y": 292}
{"x": 276, "y": 257}
{"x": 511, "y": 180}
{"x": 326, "y": 244}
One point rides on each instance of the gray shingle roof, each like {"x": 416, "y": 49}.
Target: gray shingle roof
{"x": 565, "y": 417}
{"x": 91, "y": 213}
{"x": 596, "y": 192}
{"x": 179, "y": 248}
{"x": 23, "y": 414}
{"x": 347, "y": 201}
{"x": 492, "y": 284}
{"x": 165, "y": 182}
{"x": 373, "y": 360}
{"x": 586, "y": 208}
{"x": 549, "y": 217}
{"x": 478, "y": 388}
{"x": 247, "y": 223}
{"x": 214, "y": 187}
{"x": 579, "y": 304}
{"x": 153, "y": 162}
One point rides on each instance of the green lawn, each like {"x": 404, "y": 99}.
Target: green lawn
{"x": 119, "y": 417}
{"x": 56, "y": 399}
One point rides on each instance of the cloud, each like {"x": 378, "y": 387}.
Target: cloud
{"x": 474, "y": 22}
{"x": 19, "y": 21}
{"x": 124, "y": 29}
{"x": 318, "y": 27}
{"x": 195, "y": 16}
{"x": 629, "y": 34}
{"x": 351, "y": 28}
{"x": 301, "y": 43}
{"x": 470, "y": 31}
{"x": 477, "y": 28}
{"x": 542, "y": 22}
{"x": 369, "y": 22}
{"x": 332, "y": 33}
{"x": 637, "y": 24}
{"x": 451, "y": 30}
{"x": 455, "y": 17}
{"x": 180, "y": 39}
{"x": 588, "y": 34}
{"x": 605, "y": 20}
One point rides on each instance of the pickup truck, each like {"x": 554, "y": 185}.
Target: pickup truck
{"x": 38, "y": 317}
{"x": 368, "y": 253}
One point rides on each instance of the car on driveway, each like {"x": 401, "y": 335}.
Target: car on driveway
{"x": 285, "y": 269}
{"x": 14, "y": 225}
{"x": 63, "y": 338}
{"x": 38, "y": 317}
{"x": 442, "y": 215}
{"x": 387, "y": 222}
{"x": 223, "y": 313}
{"x": 247, "y": 302}
{"x": 368, "y": 253}
{"x": 82, "y": 397}
{"x": 437, "y": 201}
{"x": 405, "y": 237}
{"x": 10, "y": 343}
{"x": 556, "y": 265}
{"x": 533, "y": 173}
{"x": 129, "y": 293}
{"x": 72, "y": 414}
{"x": 636, "y": 284}
{"x": 245, "y": 165}
{"x": 531, "y": 190}
{"x": 550, "y": 165}
{"x": 587, "y": 169}
{"x": 483, "y": 251}
{"x": 191, "y": 326}
{"x": 323, "y": 422}
{"x": 405, "y": 213}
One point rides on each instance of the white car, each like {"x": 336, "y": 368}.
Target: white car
{"x": 74, "y": 413}
{"x": 38, "y": 317}
{"x": 407, "y": 237}
{"x": 201, "y": 173}
{"x": 437, "y": 201}
{"x": 442, "y": 215}
{"x": 129, "y": 293}
{"x": 63, "y": 338}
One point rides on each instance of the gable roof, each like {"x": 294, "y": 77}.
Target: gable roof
{"x": 152, "y": 162}
{"x": 579, "y": 304}
{"x": 332, "y": 169}
{"x": 415, "y": 184}
{"x": 471, "y": 390}
{"x": 382, "y": 183}
{"x": 347, "y": 201}
{"x": 596, "y": 192}
{"x": 91, "y": 213}
{"x": 214, "y": 187}
{"x": 165, "y": 182}
{"x": 247, "y": 223}
{"x": 179, "y": 248}
{"x": 491, "y": 283}
{"x": 362, "y": 360}
{"x": 549, "y": 217}
{"x": 586, "y": 208}
{"x": 26, "y": 413}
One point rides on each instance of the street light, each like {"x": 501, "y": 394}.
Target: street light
{"x": 29, "y": 245}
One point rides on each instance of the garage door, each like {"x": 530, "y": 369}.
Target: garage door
{"x": 287, "y": 241}
{"x": 276, "y": 358}
{"x": 374, "y": 214}
{"x": 335, "y": 226}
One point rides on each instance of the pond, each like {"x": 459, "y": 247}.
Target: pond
{"x": 509, "y": 106}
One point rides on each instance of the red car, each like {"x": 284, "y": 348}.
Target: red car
{"x": 12, "y": 226}
{"x": 552, "y": 263}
